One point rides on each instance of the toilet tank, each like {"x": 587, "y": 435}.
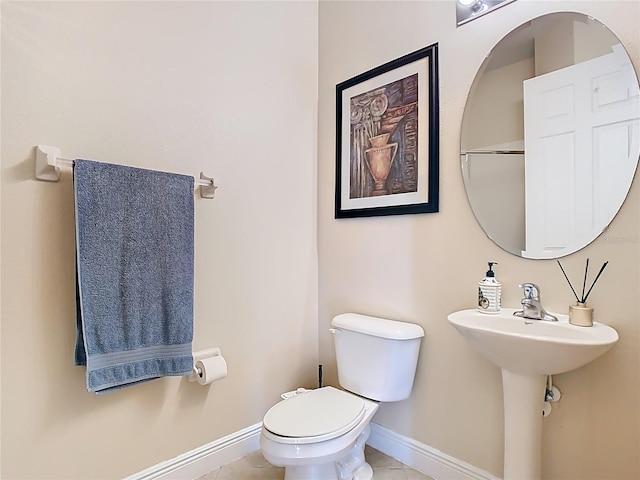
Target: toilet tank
{"x": 376, "y": 357}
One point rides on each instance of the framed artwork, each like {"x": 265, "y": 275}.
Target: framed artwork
{"x": 387, "y": 151}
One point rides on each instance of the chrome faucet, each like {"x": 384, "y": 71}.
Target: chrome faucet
{"x": 531, "y": 305}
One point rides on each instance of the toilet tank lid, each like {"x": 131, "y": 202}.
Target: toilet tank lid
{"x": 378, "y": 327}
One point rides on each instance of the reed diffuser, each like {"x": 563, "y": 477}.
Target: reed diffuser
{"x": 580, "y": 314}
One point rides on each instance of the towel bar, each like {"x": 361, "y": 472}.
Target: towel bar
{"x": 49, "y": 161}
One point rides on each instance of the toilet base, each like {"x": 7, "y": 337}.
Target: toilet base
{"x": 305, "y": 472}
{"x": 365, "y": 472}
{"x": 351, "y": 466}
{"x": 326, "y": 471}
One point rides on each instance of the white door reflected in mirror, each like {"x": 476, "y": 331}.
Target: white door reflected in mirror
{"x": 579, "y": 124}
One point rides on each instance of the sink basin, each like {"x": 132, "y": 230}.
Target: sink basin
{"x": 530, "y": 347}
{"x": 528, "y": 351}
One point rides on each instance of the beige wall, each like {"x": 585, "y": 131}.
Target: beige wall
{"x": 184, "y": 87}
{"x": 420, "y": 268}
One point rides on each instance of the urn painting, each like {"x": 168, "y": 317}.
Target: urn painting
{"x": 387, "y": 139}
{"x": 384, "y": 121}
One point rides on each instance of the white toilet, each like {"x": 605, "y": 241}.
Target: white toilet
{"x": 320, "y": 434}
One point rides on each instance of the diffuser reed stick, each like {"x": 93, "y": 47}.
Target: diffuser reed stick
{"x": 569, "y": 282}
{"x": 584, "y": 282}
{"x": 583, "y": 298}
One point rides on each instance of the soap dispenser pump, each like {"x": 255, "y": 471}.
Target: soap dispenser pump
{"x": 489, "y": 292}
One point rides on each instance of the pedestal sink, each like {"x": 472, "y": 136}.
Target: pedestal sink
{"x": 527, "y": 351}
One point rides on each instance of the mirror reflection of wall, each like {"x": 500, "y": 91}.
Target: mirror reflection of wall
{"x": 500, "y": 210}
{"x": 552, "y": 190}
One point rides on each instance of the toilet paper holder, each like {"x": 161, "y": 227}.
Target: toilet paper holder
{"x": 201, "y": 355}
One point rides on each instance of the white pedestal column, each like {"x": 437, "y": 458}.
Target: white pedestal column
{"x": 523, "y": 403}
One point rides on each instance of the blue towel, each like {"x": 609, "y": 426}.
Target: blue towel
{"x": 134, "y": 244}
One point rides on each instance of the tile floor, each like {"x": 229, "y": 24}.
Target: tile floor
{"x": 255, "y": 467}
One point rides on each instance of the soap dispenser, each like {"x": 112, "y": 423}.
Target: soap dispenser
{"x": 489, "y": 292}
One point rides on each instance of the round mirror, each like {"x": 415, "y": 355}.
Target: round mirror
{"x": 550, "y": 135}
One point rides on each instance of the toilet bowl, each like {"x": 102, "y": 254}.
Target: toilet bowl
{"x": 319, "y": 434}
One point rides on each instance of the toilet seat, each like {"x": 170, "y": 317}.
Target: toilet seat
{"x": 314, "y": 416}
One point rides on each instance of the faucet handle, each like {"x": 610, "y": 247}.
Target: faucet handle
{"x": 530, "y": 290}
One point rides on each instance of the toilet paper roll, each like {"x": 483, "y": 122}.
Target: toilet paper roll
{"x": 211, "y": 369}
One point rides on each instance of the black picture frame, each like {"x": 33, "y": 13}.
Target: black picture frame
{"x": 387, "y": 138}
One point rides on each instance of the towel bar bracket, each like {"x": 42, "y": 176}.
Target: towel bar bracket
{"x": 207, "y": 191}
{"x": 49, "y": 161}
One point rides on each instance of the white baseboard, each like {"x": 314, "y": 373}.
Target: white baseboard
{"x": 423, "y": 458}
{"x": 205, "y": 459}
{"x": 416, "y": 455}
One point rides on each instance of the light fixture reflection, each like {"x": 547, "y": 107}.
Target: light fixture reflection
{"x": 467, "y": 10}
{"x": 475, "y": 5}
